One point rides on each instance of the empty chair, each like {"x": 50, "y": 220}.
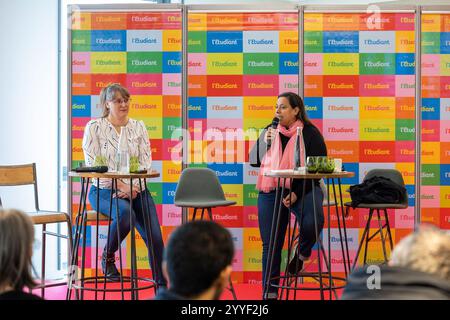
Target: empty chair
{"x": 199, "y": 188}
{"x": 18, "y": 175}
{"x": 396, "y": 177}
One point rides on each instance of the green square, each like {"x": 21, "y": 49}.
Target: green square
{"x": 313, "y": 41}
{"x": 431, "y": 42}
{"x": 430, "y": 175}
{"x": 172, "y": 128}
{"x": 144, "y": 62}
{"x": 197, "y": 41}
{"x": 81, "y": 40}
{"x": 377, "y": 63}
{"x": 156, "y": 190}
{"x": 404, "y": 130}
{"x": 198, "y": 165}
{"x": 261, "y": 63}
{"x": 250, "y": 195}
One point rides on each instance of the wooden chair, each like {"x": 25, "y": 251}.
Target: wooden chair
{"x": 18, "y": 175}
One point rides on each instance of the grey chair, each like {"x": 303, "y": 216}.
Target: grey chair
{"x": 199, "y": 188}
{"x": 396, "y": 177}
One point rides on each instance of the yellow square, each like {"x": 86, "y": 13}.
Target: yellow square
{"x": 445, "y": 196}
{"x": 313, "y": 22}
{"x": 404, "y": 41}
{"x": 288, "y": 41}
{"x": 431, "y": 152}
{"x": 224, "y": 63}
{"x": 253, "y": 127}
{"x": 197, "y": 22}
{"x": 259, "y": 107}
{"x": 445, "y": 64}
{"x": 377, "y": 130}
{"x": 407, "y": 171}
{"x": 252, "y": 259}
{"x": 377, "y": 108}
{"x": 431, "y": 23}
{"x": 108, "y": 62}
{"x": 77, "y": 150}
{"x": 252, "y": 239}
{"x": 341, "y": 64}
{"x": 171, "y": 40}
{"x": 197, "y": 151}
{"x": 171, "y": 171}
{"x": 154, "y": 127}
{"x": 81, "y": 20}
{"x": 143, "y": 106}
{"x": 234, "y": 192}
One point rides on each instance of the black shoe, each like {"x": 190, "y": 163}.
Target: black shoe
{"x": 295, "y": 265}
{"x": 109, "y": 267}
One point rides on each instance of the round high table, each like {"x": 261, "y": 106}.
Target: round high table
{"x": 80, "y": 233}
{"x": 282, "y": 176}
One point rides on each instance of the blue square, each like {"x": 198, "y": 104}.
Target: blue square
{"x": 340, "y": 41}
{"x": 431, "y": 109}
{"x": 351, "y": 167}
{"x": 171, "y": 62}
{"x": 228, "y": 173}
{"x": 197, "y": 108}
{"x": 410, "y": 190}
{"x": 81, "y": 106}
{"x": 445, "y": 42}
{"x": 445, "y": 174}
{"x": 224, "y": 41}
{"x": 169, "y": 192}
{"x": 108, "y": 40}
{"x": 314, "y": 107}
{"x": 288, "y": 63}
{"x": 404, "y": 63}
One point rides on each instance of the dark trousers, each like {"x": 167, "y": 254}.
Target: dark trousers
{"x": 266, "y": 204}
{"x": 124, "y": 223}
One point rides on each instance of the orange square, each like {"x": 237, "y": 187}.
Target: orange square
{"x": 445, "y": 152}
{"x": 313, "y": 86}
{"x": 430, "y": 216}
{"x": 341, "y": 22}
{"x": 109, "y": 21}
{"x": 405, "y": 108}
{"x": 197, "y": 86}
{"x": 172, "y": 106}
{"x": 431, "y": 87}
{"x": 225, "y": 21}
{"x": 348, "y": 151}
{"x": 81, "y": 84}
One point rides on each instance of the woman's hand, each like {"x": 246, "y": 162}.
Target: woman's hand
{"x": 290, "y": 199}
{"x": 124, "y": 190}
{"x": 270, "y": 134}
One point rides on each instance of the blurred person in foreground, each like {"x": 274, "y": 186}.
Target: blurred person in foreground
{"x": 197, "y": 262}
{"x": 419, "y": 269}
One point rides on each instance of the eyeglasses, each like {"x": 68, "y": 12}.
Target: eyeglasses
{"x": 120, "y": 101}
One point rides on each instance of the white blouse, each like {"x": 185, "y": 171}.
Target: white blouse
{"x": 100, "y": 138}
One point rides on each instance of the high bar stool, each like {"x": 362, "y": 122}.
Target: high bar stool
{"x": 199, "y": 188}
{"x": 396, "y": 177}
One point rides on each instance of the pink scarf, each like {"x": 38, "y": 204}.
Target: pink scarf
{"x": 276, "y": 159}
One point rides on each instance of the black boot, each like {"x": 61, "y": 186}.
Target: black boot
{"x": 109, "y": 267}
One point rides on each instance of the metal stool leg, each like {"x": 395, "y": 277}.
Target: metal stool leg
{"x": 388, "y": 229}
{"x": 383, "y": 244}
{"x": 44, "y": 240}
{"x": 366, "y": 230}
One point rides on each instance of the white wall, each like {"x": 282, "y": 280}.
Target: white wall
{"x": 29, "y": 101}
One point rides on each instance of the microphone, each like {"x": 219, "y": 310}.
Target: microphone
{"x": 274, "y": 125}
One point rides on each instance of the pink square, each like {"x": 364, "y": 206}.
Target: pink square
{"x": 171, "y": 215}
{"x": 341, "y": 130}
{"x": 218, "y": 129}
{"x": 260, "y": 85}
{"x": 430, "y": 196}
{"x": 404, "y": 151}
{"x": 431, "y": 65}
{"x": 81, "y": 62}
{"x": 405, "y": 86}
{"x": 404, "y": 219}
{"x": 237, "y": 261}
{"x": 337, "y": 260}
{"x": 288, "y": 83}
{"x": 171, "y": 84}
{"x": 250, "y": 217}
{"x": 404, "y": 21}
{"x": 377, "y": 86}
{"x": 145, "y": 84}
{"x": 197, "y": 63}
{"x": 78, "y": 125}
{"x": 313, "y": 64}
{"x": 430, "y": 130}
{"x": 445, "y": 130}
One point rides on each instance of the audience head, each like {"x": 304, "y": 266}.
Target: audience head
{"x": 426, "y": 250}
{"x": 197, "y": 260}
{"x": 16, "y": 250}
